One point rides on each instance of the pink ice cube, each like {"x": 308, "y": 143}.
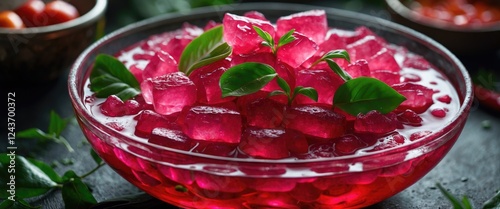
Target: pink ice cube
{"x": 364, "y": 48}
{"x": 358, "y": 68}
{"x": 176, "y": 45}
{"x": 172, "y": 92}
{"x": 325, "y": 81}
{"x": 170, "y": 138}
{"x": 362, "y": 32}
{"x": 298, "y": 51}
{"x": 418, "y": 97}
{"x": 333, "y": 42}
{"x": 137, "y": 72}
{"x": 416, "y": 62}
{"x": 409, "y": 117}
{"x": 255, "y": 15}
{"x": 208, "y": 123}
{"x": 391, "y": 141}
{"x": 388, "y": 77}
{"x": 240, "y": 34}
{"x": 113, "y": 107}
{"x": 207, "y": 79}
{"x": 374, "y": 122}
{"x": 132, "y": 107}
{"x": 383, "y": 60}
{"x": 210, "y": 24}
{"x": 161, "y": 64}
{"x": 264, "y": 113}
{"x": 348, "y": 144}
{"x": 265, "y": 143}
{"x": 315, "y": 121}
{"x": 312, "y": 24}
{"x": 148, "y": 120}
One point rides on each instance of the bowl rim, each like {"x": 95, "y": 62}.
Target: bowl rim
{"x": 91, "y": 16}
{"x": 402, "y": 10}
{"x": 432, "y": 139}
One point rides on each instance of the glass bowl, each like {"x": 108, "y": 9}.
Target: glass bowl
{"x": 42, "y": 54}
{"x": 194, "y": 180}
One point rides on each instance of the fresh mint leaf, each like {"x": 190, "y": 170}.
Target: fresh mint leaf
{"x": 57, "y": 124}
{"x": 276, "y": 93}
{"x": 306, "y": 91}
{"x": 336, "y": 68}
{"x": 342, "y": 54}
{"x": 96, "y": 157}
{"x": 283, "y": 85}
{"x": 109, "y": 76}
{"x": 268, "y": 39}
{"x": 30, "y": 180}
{"x": 454, "y": 201}
{"x": 286, "y": 38}
{"x": 363, "y": 94}
{"x": 18, "y": 204}
{"x": 246, "y": 78}
{"x": 205, "y": 49}
{"x": 47, "y": 169}
{"x": 493, "y": 203}
{"x": 75, "y": 193}
{"x": 35, "y": 133}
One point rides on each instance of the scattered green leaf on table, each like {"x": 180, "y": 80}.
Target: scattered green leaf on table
{"x": 363, "y": 94}
{"x": 454, "y": 201}
{"x": 75, "y": 193}
{"x": 493, "y": 203}
{"x": 109, "y": 76}
{"x": 96, "y": 157}
{"x": 31, "y": 181}
{"x": 246, "y": 78}
{"x": 57, "y": 124}
{"x": 205, "y": 49}
{"x": 47, "y": 169}
{"x": 18, "y": 204}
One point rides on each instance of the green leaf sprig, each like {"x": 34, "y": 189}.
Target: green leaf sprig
{"x": 35, "y": 178}
{"x": 109, "y": 77}
{"x": 56, "y": 125}
{"x": 205, "y": 49}
{"x": 250, "y": 77}
{"x": 492, "y": 203}
{"x": 269, "y": 40}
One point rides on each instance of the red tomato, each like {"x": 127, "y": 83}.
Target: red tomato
{"x": 29, "y": 12}
{"x": 9, "y": 19}
{"x": 58, "y": 12}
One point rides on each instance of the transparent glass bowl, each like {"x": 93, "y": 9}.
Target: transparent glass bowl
{"x": 193, "y": 180}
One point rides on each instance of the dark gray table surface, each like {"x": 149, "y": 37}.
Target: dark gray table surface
{"x": 471, "y": 168}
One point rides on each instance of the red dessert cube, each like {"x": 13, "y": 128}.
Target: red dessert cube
{"x": 409, "y": 117}
{"x": 312, "y": 24}
{"x": 171, "y": 92}
{"x": 207, "y": 79}
{"x": 255, "y": 15}
{"x": 325, "y": 81}
{"x": 374, "y": 122}
{"x": 321, "y": 150}
{"x": 416, "y": 62}
{"x": 315, "y": 121}
{"x": 113, "y": 107}
{"x": 358, "y": 68}
{"x": 147, "y": 120}
{"x": 265, "y": 143}
{"x": 348, "y": 144}
{"x": 240, "y": 34}
{"x": 418, "y": 97}
{"x": 383, "y": 60}
{"x": 170, "y": 138}
{"x": 364, "y": 48}
{"x": 298, "y": 51}
{"x": 211, "y": 124}
{"x": 388, "y": 77}
{"x": 264, "y": 113}
{"x": 161, "y": 64}
{"x": 216, "y": 148}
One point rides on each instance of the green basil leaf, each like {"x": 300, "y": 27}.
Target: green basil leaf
{"x": 30, "y": 181}
{"x": 17, "y": 204}
{"x": 336, "y": 68}
{"x": 337, "y": 54}
{"x": 34, "y": 133}
{"x": 75, "y": 193}
{"x": 205, "y": 49}
{"x": 56, "y": 124}
{"x": 268, "y": 39}
{"x": 493, "y": 203}
{"x": 287, "y": 38}
{"x": 283, "y": 85}
{"x": 246, "y": 78}
{"x": 96, "y": 157}
{"x": 454, "y": 201}
{"x": 363, "y": 94}
{"x": 109, "y": 76}
{"x": 47, "y": 169}
{"x": 276, "y": 92}
{"x": 306, "y": 91}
